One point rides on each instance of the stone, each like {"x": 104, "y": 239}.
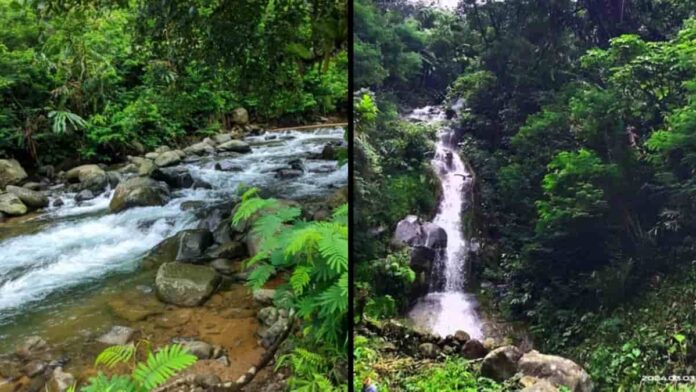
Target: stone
{"x": 285, "y": 174}
{"x": 146, "y": 168}
{"x": 225, "y": 266}
{"x": 161, "y": 149}
{"x": 231, "y": 250}
{"x": 228, "y": 166}
{"x": 185, "y": 284}
{"x": 268, "y": 315}
{"x": 139, "y": 192}
{"x": 223, "y": 232}
{"x": 83, "y": 172}
{"x": 461, "y": 336}
{"x": 201, "y": 350}
{"x": 235, "y": 146}
{"x": 264, "y": 296}
{"x": 489, "y": 343}
{"x": 10, "y": 204}
{"x": 328, "y": 153}
{"x": 253, "y": 243}
{"x": 536, "y": 385}
{"x": 193, "y": 244}
{"x": 222, "y": 138}
{"x": 34, "y": 186}
{"x": 31, "y": 346}
{"x": 270, "y": 335}
{"x": 11, "y": 172}
{"x": 84, "y": 195}
{"x": 118, "y": 335}
{"x": 501, "y": 363}
{"x": 240, "y": 116}
{"x": 556, "y": 370}
{"x": 58, "y": 202}
{"x": 428, "y": 350}
{"x": 201, "y": 148}
{"x": 151, "y": 155}
{"x": 132, "y": 310}
{"x": 175, "y": 177}
{"x": 167, "y": 158}
{"x": 473, "y": 349}
{"x": 30, "y": 198}
{"x": 34, "y": 368}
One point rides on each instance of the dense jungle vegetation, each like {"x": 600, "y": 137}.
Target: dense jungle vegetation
{"x": 579, "y": 120}
{"x": 96, "y": 80}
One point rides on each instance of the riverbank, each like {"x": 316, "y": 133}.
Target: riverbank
{"x": 82, "y": 266}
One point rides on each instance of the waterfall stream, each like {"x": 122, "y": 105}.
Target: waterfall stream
{"x": 448, "y": 308}
{"x": 63, "y": 256}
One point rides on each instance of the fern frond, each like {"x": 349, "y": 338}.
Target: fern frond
{"x": 260, "y": 275}
{"x": 163, "y": 365}
{"x": 251, "y": 206}
{"x": 334, "y": 249}
{"x": 335, "y": 298}
{"x": 300, "y": 279}
{"x": 303, "y": 240}
{"x": 101, "y": 383}
{"x": 114, "y": 355}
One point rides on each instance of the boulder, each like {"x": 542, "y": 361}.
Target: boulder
{"x": 473, "y": 349}
{"x": 10, "y": 204}
{"x": 240, "y": 116}
{"x": 223, "y": 232}
{"x": 31, "y": 346}
{"x": 270, "y": 335}
{"x": 235, "y": 146}
{"x": 84, "y": 173}
{"x": 146, "y": 167}
{"x": 151, "y": 155}
{"x": 162, "y": 149}
{"x": 501, "y": 363}
{"x": 328, "y": 152}
{"x": 461, "y": 336}
{"x": 538, "y": 385}
{"x": 11, "y": 172}
{"x": 556, "y": 370}
{"x": 201, "y": 148}
{"x": 201, "y": 350}
{"x": 185, "y": 284}
{"x": 428, "y": 350}
{"x": 253, "y": 243}
{"x": 288, "y": 173}
{"x": 175, "y": 177}
{"x": 222, "y": 138}
{"x": 268, "y": 316}
{"x": 29, "y": 197}
{"x": 230, "y": 250}
{"x": 139, "y": 192}
{"x": 60, "y": 381}
{"x": 84, "y": 195}
{"x": 264, "y": 296}
{"x": 193, "y": 244}
{"x": 411, "y": 231}
{"x": 34, "y": 186}
{"x": 228, "y": 166}
{"x": 225, "y": 266}
{"x": 118, "y": 335}
{"x": 167, "y": 158}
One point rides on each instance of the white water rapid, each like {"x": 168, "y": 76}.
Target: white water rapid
{"x": 448, "y": 308}
{"x": 71, "y": 250}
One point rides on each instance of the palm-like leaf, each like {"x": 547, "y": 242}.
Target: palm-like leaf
{"x": 161, "y": 366}
{"x": 114, "y": 355}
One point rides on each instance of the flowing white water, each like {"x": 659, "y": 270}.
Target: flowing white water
{"x": 81, "y": 243}
{"x": 448, "y": 309}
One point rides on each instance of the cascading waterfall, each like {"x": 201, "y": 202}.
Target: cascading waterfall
{"x": 71, "y": 250}
{"x": 448, "y": 308}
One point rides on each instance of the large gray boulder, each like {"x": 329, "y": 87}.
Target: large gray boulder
{"x": 10, "y": 204}
{"x": 240, "y": 116}
{"x": 235, "y": 146}
{"x": 193, "y": 244}
{"x": 501, "y": 363}
{"x": 175, "y": 177}
{"x": 167, "y": 158}
{"x": 556, "y": 370}
{"x": 90, "y": 177}
{"x": 201, "y": 148}
{"x": 139, "y": 192}
{"x": 11, "y": 172}
{"x": 412, "y": 231}
{"x": 29, "y": 197}
{"x": 185, "y": 284}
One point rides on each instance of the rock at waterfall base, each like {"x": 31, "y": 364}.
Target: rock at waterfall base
{"x": 185, "y": 284}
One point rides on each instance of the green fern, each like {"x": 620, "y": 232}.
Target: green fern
{"x": 163, "y": 365}
{"x": 114, "y": 355}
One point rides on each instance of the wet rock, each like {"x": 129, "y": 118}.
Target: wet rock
{"x": 185, "y": 284}
{"x": 225, "y": 266}
{"x": 328, "y": 153}
{"x": 175, "y": 177}
{"x": 162, "y": 149}
{"x": 207, "y": 380}
{"x": 151, "y": 155}
{"x": 489, "y": 343}
{"x": 428, "y": 350}
{"x": 118, "y": 335}
{"x": 58, "y": 202}
{"x": 10, "y": 204}
{"x": 228, "y": 166}
{"x": 34, "y": 368}
{"x": 501, "y": 363}
{"x": 240, "y": 116}
{"x": 253, "y": 243}
{"x": 557, "y": 370}
{"x": 271, "y": 334}
{"x": 264, "y": 296}
{"x": 167, "y": 158}
{"x": 113, "y": 178}
{"x": 297, "y": 164}
{"x": 230, "y": 250}
{"x": 201, "y": 148}
{"x": 473, "y": 349}
{"x": 146, "y": 168}
{"x": 411, "y": 231}
{"x": 84, "y": 195}
{"x": 285, "y": 174}
{"x": 201, "y": 350}
{"x": 461, "y": 336}
{"x": 193, "y": 244}
{"x": 223, "y": 232}
{"x": 31, "y": 346}
{"x": 136, "y": 310}
{"x": 268, "y": 316}
{"x": 235, "y": 146}
{"x": 139, "y": 192}
{"x": 11, "y": 172}
{"x": 33, "y": 186}
{"x": 192, "y": 205}
{"x": 200, "y": 184}
{"x": 89, "y": 176}
{"x": 222, "y": 138}
{"x": 532, "y": 384}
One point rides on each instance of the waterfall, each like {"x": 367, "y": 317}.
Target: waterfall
{"x": 448, "y": 308}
